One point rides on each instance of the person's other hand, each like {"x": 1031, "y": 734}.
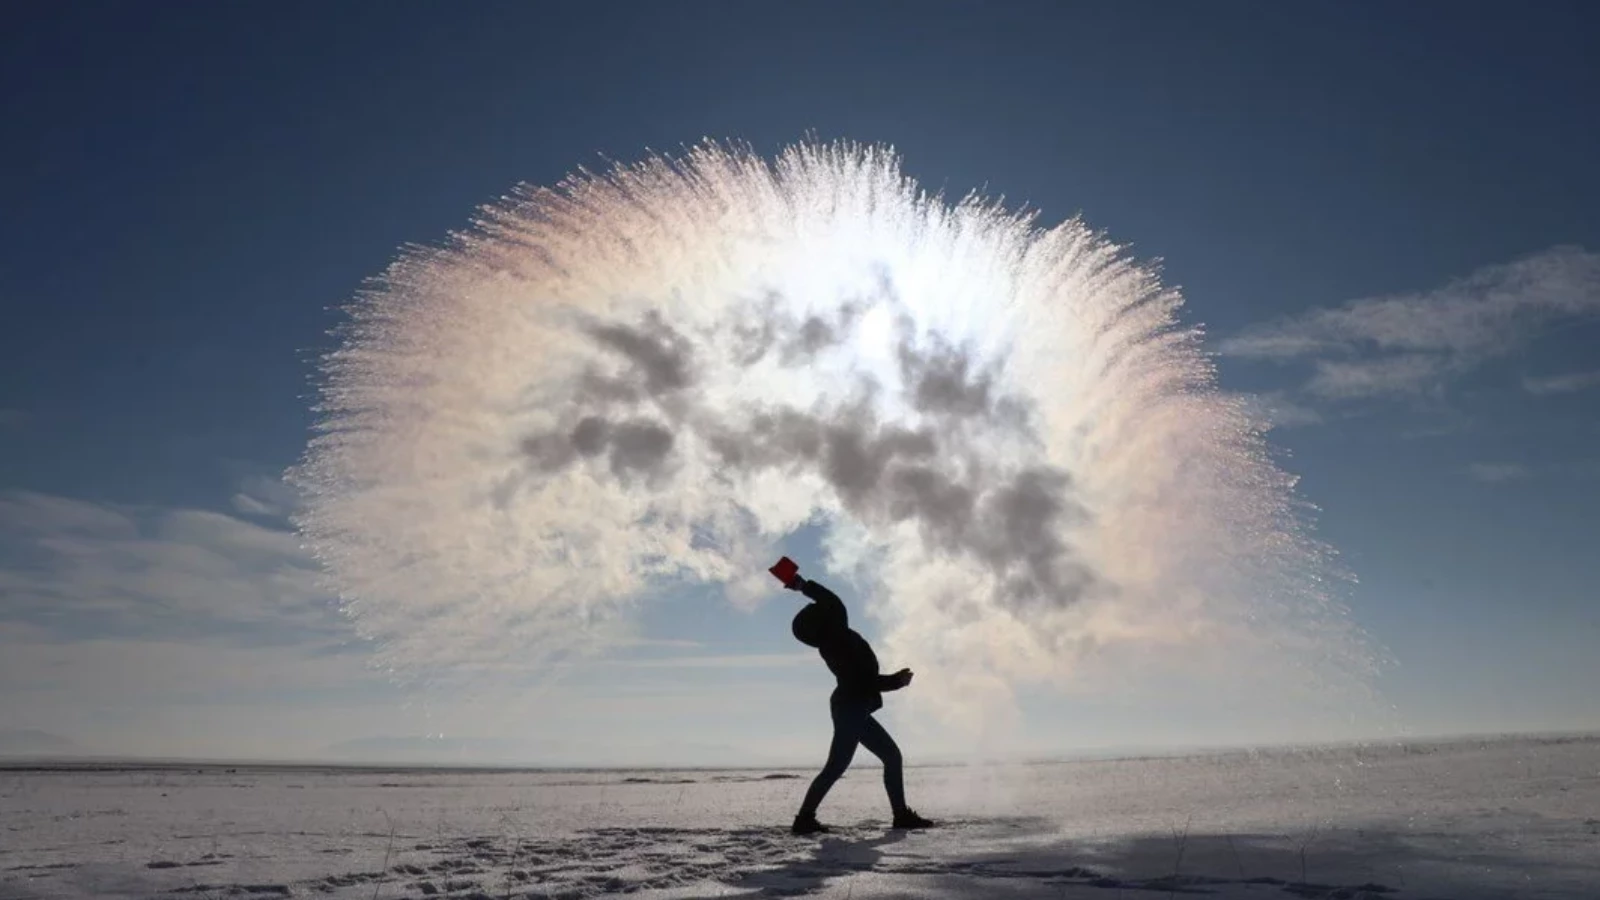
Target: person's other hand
{"x": 903, "y": 677}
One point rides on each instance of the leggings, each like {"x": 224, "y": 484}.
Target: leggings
{"x": 853, "y": 724}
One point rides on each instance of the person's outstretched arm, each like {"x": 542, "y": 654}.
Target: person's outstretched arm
{"x": 832, "y": 606}
{"x": 894, "y": 682}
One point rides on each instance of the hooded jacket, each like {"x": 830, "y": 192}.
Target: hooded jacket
{"x": 847, "y": 653}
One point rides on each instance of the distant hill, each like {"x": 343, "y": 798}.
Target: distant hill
{"x": 421, "y": 750}
{"x": 33, "y": 742}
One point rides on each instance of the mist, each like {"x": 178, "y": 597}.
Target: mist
{"x": 650, "y": 377}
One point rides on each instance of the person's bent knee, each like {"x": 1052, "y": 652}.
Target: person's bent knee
{"x": 887, "y": 753}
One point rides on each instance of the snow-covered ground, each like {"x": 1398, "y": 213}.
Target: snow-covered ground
{"x": 1510, "y": 818}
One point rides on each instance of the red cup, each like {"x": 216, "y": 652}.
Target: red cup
{"x": 785, "y": 570}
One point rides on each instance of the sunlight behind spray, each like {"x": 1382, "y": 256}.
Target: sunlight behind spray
{"x": 653, "y": 375}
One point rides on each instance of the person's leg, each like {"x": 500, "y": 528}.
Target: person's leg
{"x": 877, "y": 740}
{"x": 846, "y": 734}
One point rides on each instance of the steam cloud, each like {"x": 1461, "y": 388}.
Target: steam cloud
{"x": 656, "y": 374}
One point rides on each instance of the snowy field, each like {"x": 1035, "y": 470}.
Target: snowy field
{"x": 1510, "y": 818}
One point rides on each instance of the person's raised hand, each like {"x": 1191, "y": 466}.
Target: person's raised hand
{"x": 903, "y": 677}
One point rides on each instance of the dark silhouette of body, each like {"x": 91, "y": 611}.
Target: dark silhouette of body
{"x": 825, "y": 625}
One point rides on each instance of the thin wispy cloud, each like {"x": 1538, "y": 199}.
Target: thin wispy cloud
{"x": 624, "y": 638}
{"x": 1568, "y": 383}
{"x": 732, "y": 661}
{"x": 1412, "y": 373}
{"x": 170, "y": 615}
{"x": 80, "y": 570}
{"x": 265, "y": 497}
{"x": 1497, "y": 473}
{"x": 1276, "y": 409}
{"x": 1417, "y": 343}
{"x": 1446, "y": 422}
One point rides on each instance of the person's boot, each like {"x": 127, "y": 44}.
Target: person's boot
{"x": 908, "y": 818}
{"x": 806, "y": 823}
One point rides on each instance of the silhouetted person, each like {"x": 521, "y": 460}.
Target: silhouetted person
{"x": 825, "y": 625}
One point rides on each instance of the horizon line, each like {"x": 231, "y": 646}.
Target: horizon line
{"x": 112, "y": 762}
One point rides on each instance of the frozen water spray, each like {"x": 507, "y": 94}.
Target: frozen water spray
{"x": 1018, "y": 453}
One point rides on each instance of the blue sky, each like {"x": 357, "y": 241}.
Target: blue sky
{"x": 1384, "y": 215}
